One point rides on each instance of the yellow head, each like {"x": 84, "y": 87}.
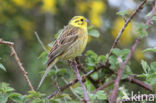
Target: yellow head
{"x": 79, "y": 21}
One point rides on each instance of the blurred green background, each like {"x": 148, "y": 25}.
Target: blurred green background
{"x": 19, "y": 19}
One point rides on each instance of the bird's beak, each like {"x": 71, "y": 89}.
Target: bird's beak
{"x": 87, "y": 20}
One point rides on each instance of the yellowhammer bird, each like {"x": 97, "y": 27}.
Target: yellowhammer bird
{"x": 71, "y": 42}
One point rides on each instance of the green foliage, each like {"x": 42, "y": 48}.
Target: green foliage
{"x": 100, "y": 95}
{"x": 7, "y": 93}
{"x": 150, "y": 72}
{"x": 141, "y": 29}
{"x": 150, "y": 50}
{"x": 118, "y": 57}
{"x": 44, "y": 57}
{"x": 4, "y": 88}
{"x": 154, "y": 18}
{"x": 2, "y": 67}
{"x": 93, "y": 32}
{"x": 92, "y": 59}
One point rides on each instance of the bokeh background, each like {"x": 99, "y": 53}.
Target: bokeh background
{"x": 19, "y": 19}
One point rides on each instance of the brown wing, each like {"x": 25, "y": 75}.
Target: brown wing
{"x": 65, "y": 40}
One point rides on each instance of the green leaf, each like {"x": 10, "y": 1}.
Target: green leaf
{"x": 127, "y": 72}
{"x": 78, "y": 90}
{"x": 91, "y": 58}
{"x": 66, "y": 96}
{"x": 141, "y": 29}
{"x": 16, "y": 97}
{"x": 153, "y": 66}
{"x": 119, "y": 52}
{"x": 145, "y": 66}
{"x": 3, "y": 98}
{"x": 94, "y": 76}
{"x": 101, "y": 95}
{"x": 150, "y": 50}
{"x": 53, "y": 100}
{"x": 2, "y": 67}
{"x": 94, "y": 33}
{"x": 4, "y": 88}
{"x": 34, "y": 94}
{"x": 61, "y": 71}
{"x": 101, "y": 59}
{"x": 114, "y": 62}
{"x": 142, "y": 75}
{"x": 151, "y": 79}
{"x": 44, "y": 57}
{"x": 154, "y": 18}
{"x": 37, "y": 100}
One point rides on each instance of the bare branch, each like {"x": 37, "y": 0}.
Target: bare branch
{"x": 72, "y": 89}
{"x": 131, "y": 79}
{"x": 82, "y": 69}
{"x": 69, "y": 87}
{"x": 124, "y": 27}
{"x": 103, "y": 86}
{"x": 113, "y": 97}
{"x": 75, "y": 66}
{"x": 14, "y": 54}
{"x": 39, "y": 40}
{"x": 76, "y": 80}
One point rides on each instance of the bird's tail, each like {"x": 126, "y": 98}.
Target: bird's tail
{"x": 46, "y": 72}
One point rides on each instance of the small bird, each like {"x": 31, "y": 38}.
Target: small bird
{"x": 70, "y": 43}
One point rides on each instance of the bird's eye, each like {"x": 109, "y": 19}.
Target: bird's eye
{"x": 81, "y": 19}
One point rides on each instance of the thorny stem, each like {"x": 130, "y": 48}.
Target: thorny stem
{"x": 124, "y": 27}
{"x": 116, "y": 84}
{"x": 14, "y": 54}
{"x": 75, "y": 66}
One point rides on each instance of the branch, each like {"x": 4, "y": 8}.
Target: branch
{"x": 39, "y": 40}
{"x": 124, "y": 27}
{"x": 71, "y": 89}
{"x": 131, "y": 79}
{"x": 13, "y": 53}
{"x": 113, "y": 97}
{"x": 103, "y": 86}
{"x": 76, "y": 80}
{"x": 120, "y": 71}
{"x": 75, "y": 66}
{"x": 82, "y": 69}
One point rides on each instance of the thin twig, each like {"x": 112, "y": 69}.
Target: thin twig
{"x": 75, "y": 66}
{"x": 103, "y": 86}
{"x": 116, "y": 84}
{"x": 88, "y": 74}
{"x": 69, "y": 87}
{"x": 72, "y": 89}
{"x": 38, "y": 38}
{"x": 82, "y": 69}
{"x": 120, "y": 71}
{"x": 14, "y": 54}
{"x": 131, "y": 79}
{"x": 76, "y": 80}
{"x": 124, "y": 27}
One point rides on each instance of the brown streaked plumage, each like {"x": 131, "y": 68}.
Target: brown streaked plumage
{"x": 70, "y": 43}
